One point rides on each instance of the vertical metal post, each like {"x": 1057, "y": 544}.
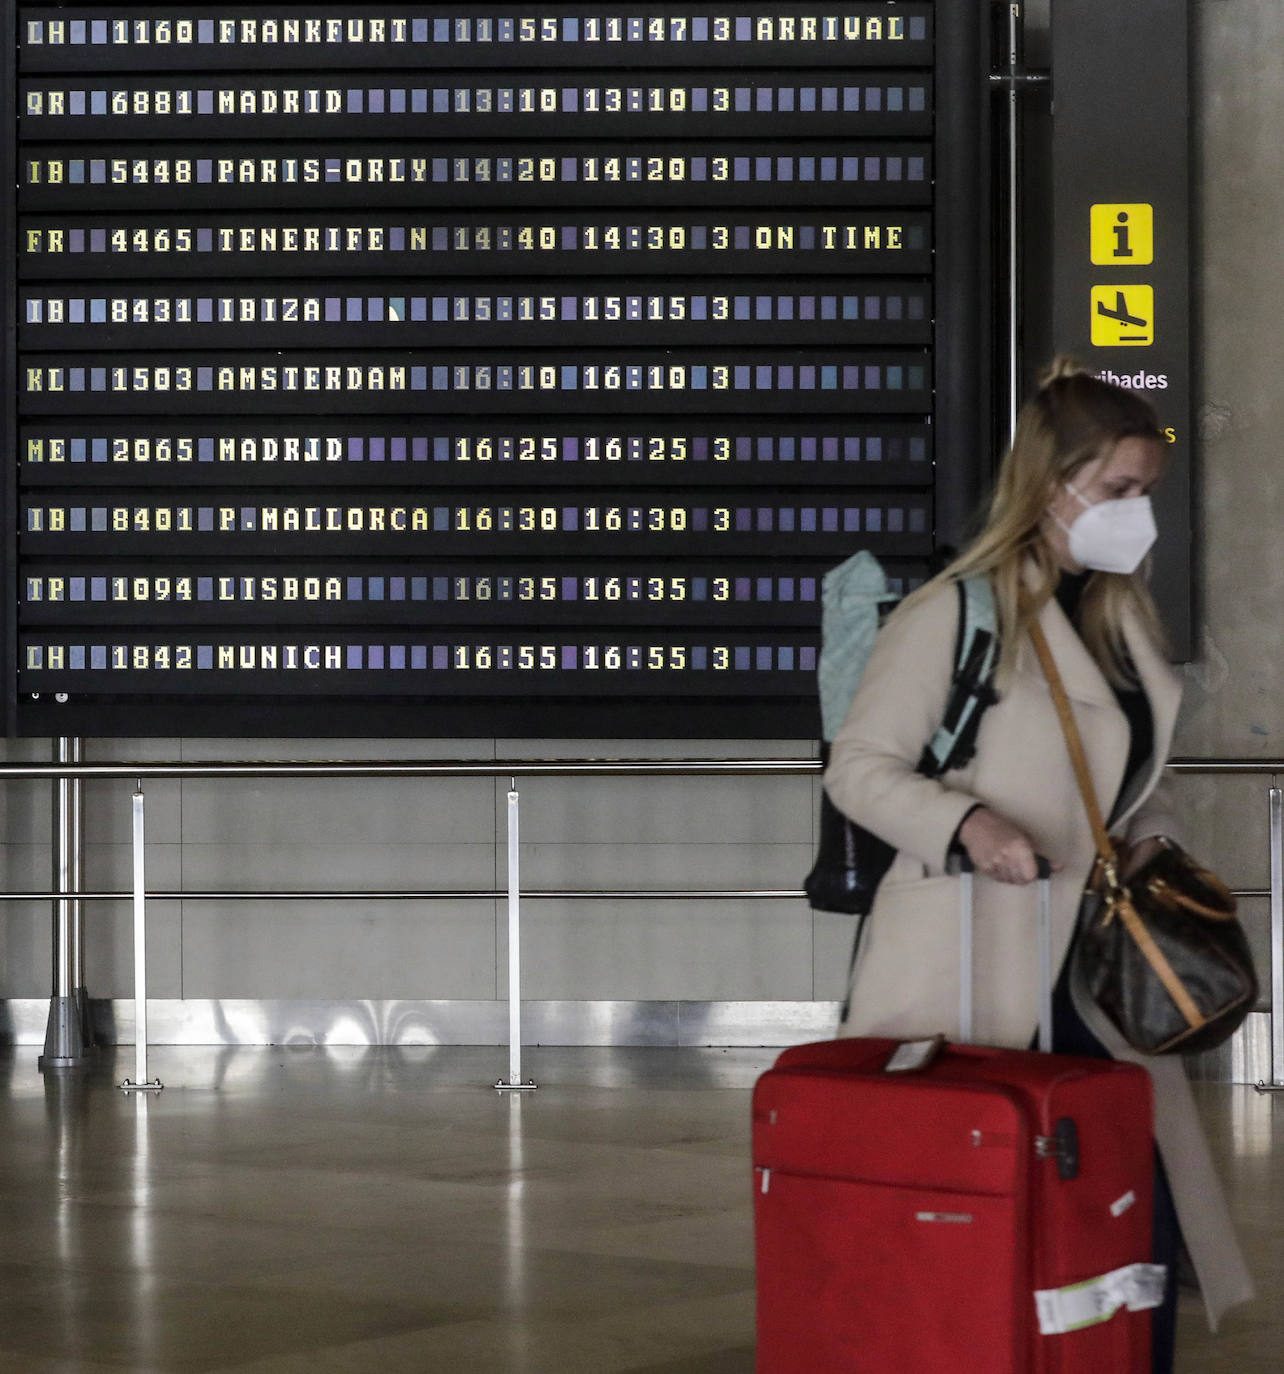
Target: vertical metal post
{"x": 965, "y": 954}
{"x": 140, "y": 951}
{"x": 514, "y": 945}
{"x": 1045, "y": 957}
{"x": 77, "y": 875}
{"x": 64, "y": 950}
{"x": 514, "y": 948}
{"x": 1014, "y": 220}
{"x": 64, "y": 1032}
{"x": 1277, "y": 939}
{"x": 964, "y": 314}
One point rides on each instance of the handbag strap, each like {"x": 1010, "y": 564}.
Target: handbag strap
{"x": 1074, "y": 742}
{"x": 1119, "y": 903}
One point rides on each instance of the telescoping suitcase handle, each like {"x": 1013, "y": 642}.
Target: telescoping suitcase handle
{"x": 1044, "y": 885}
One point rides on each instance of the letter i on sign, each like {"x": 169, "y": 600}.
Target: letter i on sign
{"x": 1123, "y": 235}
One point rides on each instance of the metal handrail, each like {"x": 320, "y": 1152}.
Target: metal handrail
{"x": 463, "y": 768}
{"x": 515, "y": 768}
{"x": 1180, "y": 765}
{"x": 419, "y": 768}
{"x": 406, "y": 894}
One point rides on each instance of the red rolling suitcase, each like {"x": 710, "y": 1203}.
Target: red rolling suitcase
{"x": 986, "y": 1213}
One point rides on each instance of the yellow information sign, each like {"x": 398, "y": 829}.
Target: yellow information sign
{"x": 1123, "y": 235}
{"x": 1123, "y": 316}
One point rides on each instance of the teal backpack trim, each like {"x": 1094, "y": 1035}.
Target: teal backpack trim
{"x": 855, "y": 601}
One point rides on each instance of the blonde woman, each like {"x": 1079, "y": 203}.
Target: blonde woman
{"x": 1065, "y": 543}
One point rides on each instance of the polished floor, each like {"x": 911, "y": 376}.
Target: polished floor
{"x": 275, "y": 1211}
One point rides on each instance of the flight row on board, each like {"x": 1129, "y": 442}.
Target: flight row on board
{"x": 705, "y": 452}
{"x": 850, "y": 172}
{"x": 350, "y": 36}
{"x": 874, "y": 382}
{"x": 337, "y": 312}
{"x": 216, "y": 524}
{"x": 879, "y": 104}
{"x": 554, "y": 663}
{"x": 767, "y": 243}
{"x": 409, "y": 591}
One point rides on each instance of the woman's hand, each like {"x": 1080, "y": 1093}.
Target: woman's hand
{"x": 998, "y": 848}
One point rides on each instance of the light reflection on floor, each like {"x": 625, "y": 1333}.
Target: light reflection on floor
{"x": 275, "y": 1211}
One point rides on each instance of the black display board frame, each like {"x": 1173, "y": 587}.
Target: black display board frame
{"x": 946, "y": 356}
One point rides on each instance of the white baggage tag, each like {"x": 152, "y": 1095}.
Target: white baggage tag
{"x": 1135, "y": 1286}
{"x": 911, "y": 1056}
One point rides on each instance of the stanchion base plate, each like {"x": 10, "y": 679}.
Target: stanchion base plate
{"x": 1269, "y": 1087}
{"x": 152, "y": 1085}
{"x": 517, "y": 1087}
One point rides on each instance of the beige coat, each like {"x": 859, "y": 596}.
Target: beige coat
{"x": 905, "y": 982}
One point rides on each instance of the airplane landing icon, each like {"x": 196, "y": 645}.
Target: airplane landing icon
{"x": 1123, "y": 316}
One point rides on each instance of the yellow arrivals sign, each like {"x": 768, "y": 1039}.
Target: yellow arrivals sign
{"x": 1123, "y": 235}
{"x": 1123, "y": 316}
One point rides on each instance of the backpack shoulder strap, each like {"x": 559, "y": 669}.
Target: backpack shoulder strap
{"x": 976, "y": 656}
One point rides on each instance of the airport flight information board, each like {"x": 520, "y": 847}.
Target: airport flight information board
{"x": 489, "y": 369}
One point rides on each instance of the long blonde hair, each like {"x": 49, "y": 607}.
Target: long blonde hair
{"x": 1073, "y": 418}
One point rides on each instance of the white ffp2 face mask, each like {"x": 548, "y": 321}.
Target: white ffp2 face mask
{"x": 1112, "y": 536}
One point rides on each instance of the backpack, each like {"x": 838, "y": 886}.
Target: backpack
{"x": 855, "y": 599}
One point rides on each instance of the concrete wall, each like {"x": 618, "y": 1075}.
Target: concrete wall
{"x": 1234, "y": 703}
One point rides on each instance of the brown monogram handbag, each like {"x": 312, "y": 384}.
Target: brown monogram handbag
{"x": 1162, "y": 952}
